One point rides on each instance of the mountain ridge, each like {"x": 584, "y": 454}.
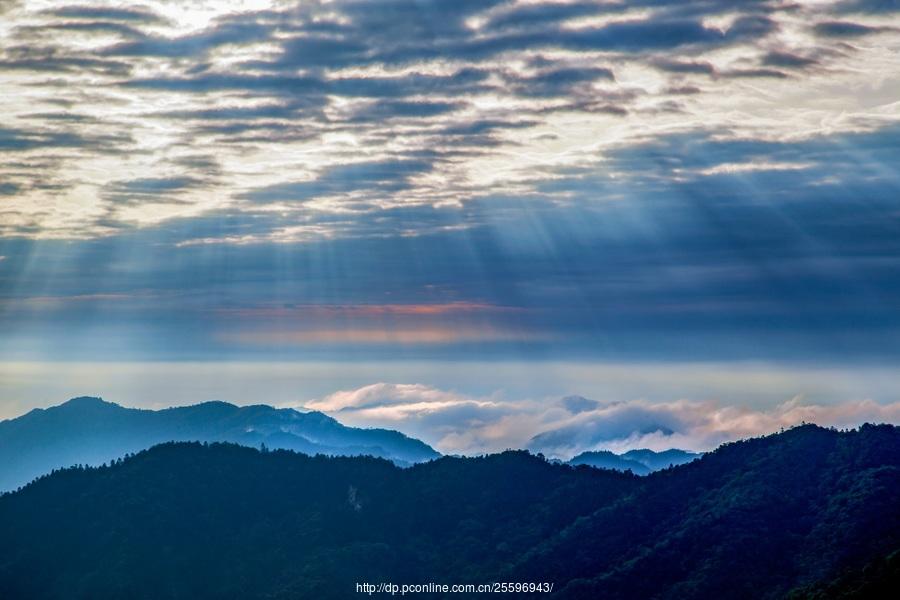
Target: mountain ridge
{"x": 221, "y": 520}
{"x": 640, "y": 461}
{"x": 90, "y": 430}
{"x": 605, "y": 459}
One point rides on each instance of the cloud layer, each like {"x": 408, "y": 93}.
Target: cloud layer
{"x": 316, "y": 119}
{"x": 562, "y": 428}
{"x": 625, "y": 180}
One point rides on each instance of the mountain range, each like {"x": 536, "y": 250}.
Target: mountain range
{"x": 809, "y": 513}
{"x": 91, "y": 431}
{"x": 639, "y": 462}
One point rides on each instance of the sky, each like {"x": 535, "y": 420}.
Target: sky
{"x": 453, "y": 217}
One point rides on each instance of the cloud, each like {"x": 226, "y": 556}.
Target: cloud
{"x": 151, "y": 189}
{"x": 380, "y": 395}
{"x": 389, "y": 335}
{"x": 382, "y": 110}
{"x": 380, "y": 176}
{"x": 451, "y": 421}
{"x": 195, "y": 45}
{"x": 498, "y": 92}
{"x": 697, "y": 425}
{"x": 106, "y": 13}
{"x": 155, "y": 185}
{"x": 23, "y": 140}
{"x": 844, "y": 29}
{"x": 693, "y": 179}
{"x": 561, "y": 81}
{"x": 684, "y": 66}
{"x": 777, "y": 58}
{"x": 460, "y": 423}
{"x": 868, "y": 6}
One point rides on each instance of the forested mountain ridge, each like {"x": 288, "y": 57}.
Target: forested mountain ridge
{"x": 91, "y": 431}
{"x": 799, "y": 514}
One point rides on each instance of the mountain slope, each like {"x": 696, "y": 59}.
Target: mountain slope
{"x": 225, "y": 521}
{"x": 754, "y": 519}
{"x": 799, "y": 513}
{"x": 91, "y": 431}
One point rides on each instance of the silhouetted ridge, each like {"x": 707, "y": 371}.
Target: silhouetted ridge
{"x": 799, "y": 514}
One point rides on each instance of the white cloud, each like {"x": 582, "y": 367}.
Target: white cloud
{"x": 382, "y": 395}
{"x": 133, "y": 111}
{"x": 459, "y": 423}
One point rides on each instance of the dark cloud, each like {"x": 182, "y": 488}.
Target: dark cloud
{"x": 682, "y": 66}
{"x": 23, "y": 139}
{"x": 695, "y": 244}
{"x": 156, "y": 185}
{"x": 754, "y": 73}
{"x": 66, "y": 117}
{"x": 844, "y": 29}
{"x": 683, "y": 90}
{"x": 8, "y": 189}
{"x": 194, "y": 45}
{"x": 383, "y": 110}
{"x": 481, "y": 127}
{"x": 415, "y": 18}
{"x": 318, "y": 51}
{"x": 560, "y": 81}
{"x": 379, "y": 176}
{"x": 305, "y": 106}
{"x": 543, "y": 15}
{"x": 139, "y": 15}
{"x": 790, "y": 60}
{"x": 868, "y": 6}
{"x": 155, "y": 189}
{"x": 206, "y": 166}
{"x": 54, "y": 60}
{"x": 627, "y": 36}
{"x": 464, "y": 80}
{"x": 406, "y": 32}
{"x": 696, "y": 263}
{"x": 121, "y": 29}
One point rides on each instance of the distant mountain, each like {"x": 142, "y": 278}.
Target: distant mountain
{"x": 185, "y": 520}
{"x": 639, "y": 462}
{"x": 92, "y": 431}
{"x": 661, "y": 460}
{"x": 604, "y": 459}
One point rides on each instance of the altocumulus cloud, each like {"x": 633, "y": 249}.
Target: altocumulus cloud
{"x": 673, "y": 180}
{"x": 466, "y": 424}
{"x": 348, "y": 108}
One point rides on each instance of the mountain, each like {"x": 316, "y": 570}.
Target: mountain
{"x": 762, "y": 518}
{"x": 92, "y": 431}
{"x": 604, "y": 459}
{"x": 660, "y": 460}
{"x": 639, "y": 462}
{"x": 807, "y": 513}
